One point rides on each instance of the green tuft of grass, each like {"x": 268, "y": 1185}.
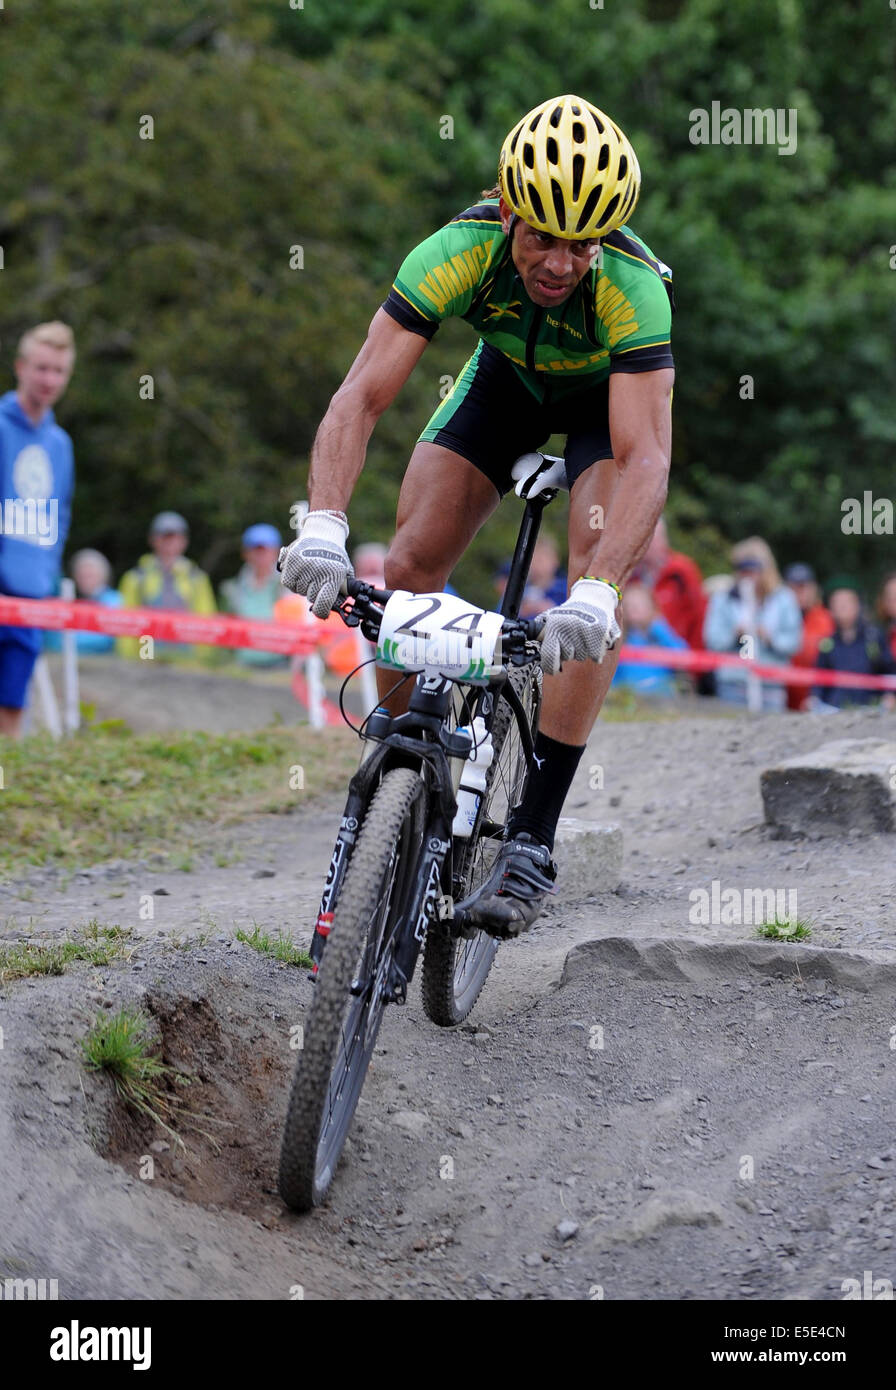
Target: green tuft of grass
{"x": 20, "y": 960}
{"x": 121, "y": 1046}
{"x": 279, "y": 946}
{"x": 782, "y": 929}
{"x": 95, "y": 931}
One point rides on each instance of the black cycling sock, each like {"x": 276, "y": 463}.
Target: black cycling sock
{"x": 549, "y": 781}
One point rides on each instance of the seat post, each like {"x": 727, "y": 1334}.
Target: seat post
{"x": 522, "y": 555}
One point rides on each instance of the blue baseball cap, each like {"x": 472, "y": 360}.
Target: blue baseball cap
{"x": 261, "y": 534}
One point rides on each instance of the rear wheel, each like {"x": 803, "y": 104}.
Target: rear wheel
{"x": 344, "y": 1020}
{"x": 455, "y": 969}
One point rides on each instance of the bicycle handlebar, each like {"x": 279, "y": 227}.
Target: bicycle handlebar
{"x": 369, "y": 602}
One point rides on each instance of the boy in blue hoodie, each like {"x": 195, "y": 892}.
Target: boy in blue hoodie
{"x": 36, "y": 482}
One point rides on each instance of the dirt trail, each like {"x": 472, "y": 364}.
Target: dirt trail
{"x": 710, "y": 1114}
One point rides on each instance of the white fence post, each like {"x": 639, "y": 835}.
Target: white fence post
{"x": 71, "y": 704}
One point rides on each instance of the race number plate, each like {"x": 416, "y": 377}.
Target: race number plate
{"x": 439, "y": 634}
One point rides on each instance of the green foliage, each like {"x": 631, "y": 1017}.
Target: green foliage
{"x": 320, "y": 128}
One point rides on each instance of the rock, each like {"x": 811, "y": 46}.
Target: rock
{"x": 461, "y": 1129}
{"x": 161, "y": 893}
{"x": 264, "y": 873}
{"x": 159, "y": 1146}
{"x": 566, "y": 1230}
{"x": 842, "y": 786}
{"x": 677, "y": 1208}
{"x": 412, "y": 1121}
{"x": 589, "y": 857}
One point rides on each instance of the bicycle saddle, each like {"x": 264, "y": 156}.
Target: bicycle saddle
{"x": 537, "y": 473}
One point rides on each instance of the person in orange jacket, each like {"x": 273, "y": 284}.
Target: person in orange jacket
{"x": 817, "y": 624}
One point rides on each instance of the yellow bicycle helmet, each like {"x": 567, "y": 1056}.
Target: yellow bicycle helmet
{"x": 567, "y": 169}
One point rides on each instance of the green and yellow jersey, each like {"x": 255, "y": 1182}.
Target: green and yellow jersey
{"x": 617, "y": 319}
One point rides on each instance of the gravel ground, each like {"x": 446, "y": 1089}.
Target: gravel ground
{"x": 639, "y": 1107}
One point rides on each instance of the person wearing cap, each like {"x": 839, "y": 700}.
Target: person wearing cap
{"x": 166, "y": 579}
{"x": 856, "y": 645}
{"x": 759, "y": 617}
{"x": 817, "y": 623}
{"x": 253, "y": 592}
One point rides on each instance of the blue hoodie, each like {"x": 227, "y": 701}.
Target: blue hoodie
{"x": 37, "y": 471}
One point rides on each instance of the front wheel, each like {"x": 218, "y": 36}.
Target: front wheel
{"x": 455, "y": 970}
{"x": 345, "y": 1015}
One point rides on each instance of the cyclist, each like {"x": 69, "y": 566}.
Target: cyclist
{"x": 573, "y": 312}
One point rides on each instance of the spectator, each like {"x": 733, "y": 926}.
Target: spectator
{"x": 36, "y": 484}
{"x": 255, "y": 590}
{"x": 91, "y": 572}
{"x": 817, "y": 623}
{"x": 886, "y": 611}
{"x": 855, "y": 645}
{"x": 166, "y": 579}
{"x": 759, "y": 616}
{"x": 676, "y": 584}
{"x": 546, "y": 586}
{"x": 644, "y": 627}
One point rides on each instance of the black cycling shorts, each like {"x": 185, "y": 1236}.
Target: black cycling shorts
{"x": 491, "y": 417}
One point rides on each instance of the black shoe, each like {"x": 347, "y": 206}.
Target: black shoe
{"x": 510, "y": 899}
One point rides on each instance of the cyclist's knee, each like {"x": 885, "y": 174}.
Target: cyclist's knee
{"x": 408, "y": 567}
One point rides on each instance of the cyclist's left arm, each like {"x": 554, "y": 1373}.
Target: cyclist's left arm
{"x": 641, "y": 434}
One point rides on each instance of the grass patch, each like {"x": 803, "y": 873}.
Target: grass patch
{"x": 121, "y": 1046}
{"x": 108, "y": 793}
{"x": 279, "y": 946}
{"x": 20, "y": 960}
{"x": 782, "y": 929}
{"x": 95, "y": 931}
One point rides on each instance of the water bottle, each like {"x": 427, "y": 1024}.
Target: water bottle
{"x": 473, "y": 779}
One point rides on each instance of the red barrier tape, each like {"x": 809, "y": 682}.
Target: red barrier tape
{"x": 166, "y": 625}
{"x": 671, "y": 657}
{"x": 221, "y": 630}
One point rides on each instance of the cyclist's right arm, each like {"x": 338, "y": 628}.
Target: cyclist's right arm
{"x": 375, "y": 378}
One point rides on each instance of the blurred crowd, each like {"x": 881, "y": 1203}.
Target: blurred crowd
{"x": 754, "y": 611}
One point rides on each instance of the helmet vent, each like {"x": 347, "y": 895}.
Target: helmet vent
{"x": 529, "y": 155}
{"x": 534, "y": 121}
{"x": 610, "y": 209}
{"x": 556, "y": 116}
{"x": 536, "y": 204}
{"x": 578, "y": 132}
{"x": 603, "y": 158}
{"x": 623, "y": 166}
{"x": 552, "y": 151}
{"x": 578, "y": 171}
{"x": 559, "y": 204}
{"x": 591, "y": 203}
{"x": 516, "y": 136}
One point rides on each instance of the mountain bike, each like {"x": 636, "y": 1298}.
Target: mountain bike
{"x": 425, "y": 816}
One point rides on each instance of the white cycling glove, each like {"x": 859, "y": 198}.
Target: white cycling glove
{"x": 317, "y": 564}
{"x": 584, "y": 628}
